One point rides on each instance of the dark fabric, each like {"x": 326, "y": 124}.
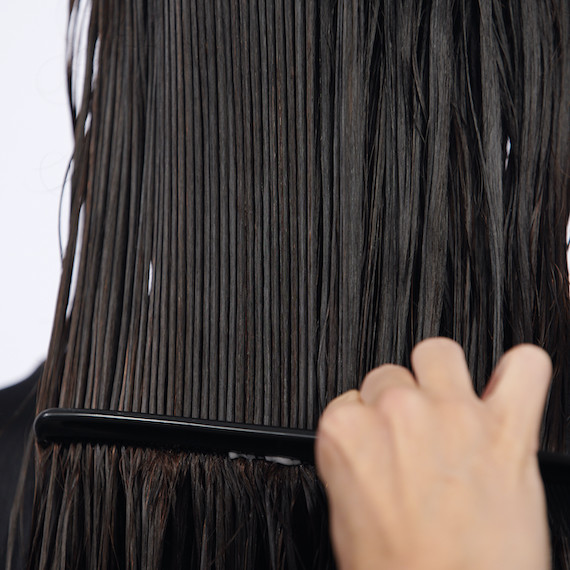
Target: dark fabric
{"x": 17, "y": 412}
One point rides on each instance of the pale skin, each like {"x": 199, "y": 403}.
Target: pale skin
{"x": 421, "y": 474}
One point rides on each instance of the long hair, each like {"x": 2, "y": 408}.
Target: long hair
{"x": 268, "y": 199}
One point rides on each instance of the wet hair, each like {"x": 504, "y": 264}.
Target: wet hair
{"x": 268, "y": 199}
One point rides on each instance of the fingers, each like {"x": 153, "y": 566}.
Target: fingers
{"x": 349, "y": 419}
{"x": 382, "y": 378}
{"x": 517, "y": 392}
{"x": 346, "y": 398}
{"x": 515, "y": 395}
{"x": 439, "y": 366}
{"x": 338, "y": 428}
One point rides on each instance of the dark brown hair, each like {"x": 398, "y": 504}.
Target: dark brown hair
{"x": 268, "y": 199}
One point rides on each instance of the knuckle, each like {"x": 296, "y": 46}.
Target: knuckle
{"x": 436, "y": 343}
{"x": 339, "y": 427}
{"x": 336, "y": 419}
{"x": 387, "y": 371}
{"x": 398, "y": 402}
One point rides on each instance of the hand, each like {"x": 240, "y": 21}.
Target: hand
{"x": 422, "y": 474}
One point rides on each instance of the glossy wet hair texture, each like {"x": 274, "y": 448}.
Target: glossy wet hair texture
{"x": 268, "y": 199}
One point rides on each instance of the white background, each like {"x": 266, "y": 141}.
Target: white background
{"x": 35, "y": 147}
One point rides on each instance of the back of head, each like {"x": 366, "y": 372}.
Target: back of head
{"x": 268, "y": 200}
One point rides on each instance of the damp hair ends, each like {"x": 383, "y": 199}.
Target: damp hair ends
{"x": 275, "y": 198}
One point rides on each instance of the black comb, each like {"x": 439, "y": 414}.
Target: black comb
{"x": 208, "y": 436}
